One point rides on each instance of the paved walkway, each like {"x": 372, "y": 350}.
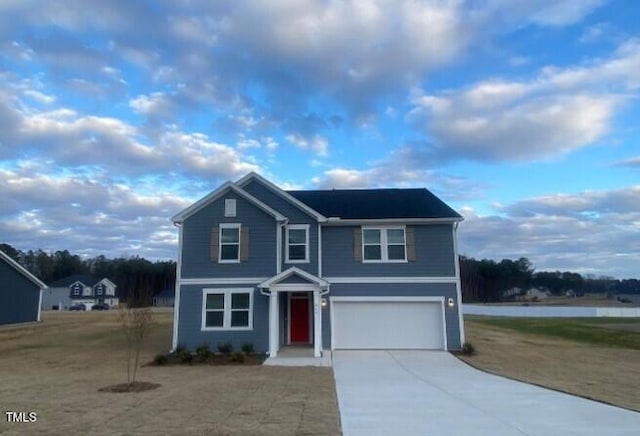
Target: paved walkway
{"x": 433, "y": 393}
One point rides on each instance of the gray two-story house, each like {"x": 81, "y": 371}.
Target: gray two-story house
{"x": 326, "y": 269}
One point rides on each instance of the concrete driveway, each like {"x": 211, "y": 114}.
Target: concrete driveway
{"x": 433, "y": 393}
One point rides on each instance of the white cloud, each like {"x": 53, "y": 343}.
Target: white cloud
{"x": 316, "y": 143}
{"x": 554, "y": 112}
{"x": 581, "y": 232}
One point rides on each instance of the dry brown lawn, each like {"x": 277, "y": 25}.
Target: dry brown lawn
{"x": 607, "y": 374}
{"x": 56, "y": 367}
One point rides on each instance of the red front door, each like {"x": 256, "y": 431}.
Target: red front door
{"x": 300, "y": 319}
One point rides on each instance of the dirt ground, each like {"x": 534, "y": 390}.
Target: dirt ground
{"x": 607, "y": 374}
{"x": 55, "y": 369}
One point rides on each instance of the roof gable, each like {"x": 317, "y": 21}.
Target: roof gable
{"x": 22, "y": 270}
{"x": 252, "y": 176}
{"x": 294, "y": 271}
{"x": 65, "y": 282}
{"x": 217, "y": 194}
{"x": 377, "y": 204}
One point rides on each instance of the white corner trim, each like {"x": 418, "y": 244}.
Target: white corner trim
{"x": 387, "y": 279}
{"x": 176, "y": 301}
{"x": 456, "y": 260}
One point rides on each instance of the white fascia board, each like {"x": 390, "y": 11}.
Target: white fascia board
{"x": 215, "y": 195}
{"x": 22, "y": 270}
{"x": 388, "y": 279}
{"x": 317, "y": 281}
{"x": 382, "y": 221}
{"x": 290, "y": 198}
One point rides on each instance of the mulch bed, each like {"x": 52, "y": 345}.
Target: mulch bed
{"x": 215, "y": 360}
{"x": 130, "y": 387}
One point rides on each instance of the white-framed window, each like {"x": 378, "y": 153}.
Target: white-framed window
{"x": 230, "y": 207}
{"x": 384, "y": 244}
{"x": 229, "y": 243}
{"x": 76, "y": 289}
{"x": 227, "y": 309}
{"x": 100, "y": 289}
{"x": 297, "y": 244}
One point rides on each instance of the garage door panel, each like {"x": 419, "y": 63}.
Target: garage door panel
{"x": 387, "y": 325}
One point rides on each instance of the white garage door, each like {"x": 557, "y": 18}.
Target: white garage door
{"x": 387, "y": 324}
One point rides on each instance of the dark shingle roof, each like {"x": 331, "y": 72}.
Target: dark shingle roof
{"x": 68, "y": 281}
{"x": 376, "y": 203}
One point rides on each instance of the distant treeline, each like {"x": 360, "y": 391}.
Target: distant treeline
{"x": 136, "y": 278}
{"x": 488, "y": 281}
{"x": 482, "y": 280}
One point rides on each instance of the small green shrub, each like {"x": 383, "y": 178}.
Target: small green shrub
{"x": 179, "y": 350}
{"x": 225, "y": 347}
{"x": 237, "y": 357}
{"x": 161, "y": 359}
{"x": 204, "y": 352}
{"x": 247, "y": 348}
{"x": 186, "y": 357}
{"x": 468, "y": 349}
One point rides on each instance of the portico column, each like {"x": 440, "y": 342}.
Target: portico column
{"x": 317, "y": 324}
{"x": 273, "y": 324}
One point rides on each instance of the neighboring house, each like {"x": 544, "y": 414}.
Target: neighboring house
{"x": 20, "y": 293}
{"x": 165, "y": 298}
{"x": 374, "y": 268}
{"x": 79, "y": 289}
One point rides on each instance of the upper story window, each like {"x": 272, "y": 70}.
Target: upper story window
{"x": 297, "y": 244}
{"x": 100, "y": 289}
{"x": 230, "y": 207}
{"x": 384, "y": 244}
{"x": 229, "y": 243}
{"x": 76, "y": 289}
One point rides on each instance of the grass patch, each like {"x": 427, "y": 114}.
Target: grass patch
{"x": 597, "y": 331}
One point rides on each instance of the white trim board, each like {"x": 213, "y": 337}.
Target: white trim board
{"x": 222, "y": 281}
{"x": 387, "y": 279}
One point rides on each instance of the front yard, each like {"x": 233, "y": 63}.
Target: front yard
{"x": 55, "y": 369}
{"x": 597, "y": 358}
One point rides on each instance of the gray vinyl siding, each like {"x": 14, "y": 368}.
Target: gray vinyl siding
{"x": 446, "y": 290}
{"x": 56, "y": 297}
{"x": 295, "y": 216}
{"x": 190, "y": 332}
{"x": 433, "y": 246}
{"x": 19, "y": 296}
{"x": 196, "y": 244}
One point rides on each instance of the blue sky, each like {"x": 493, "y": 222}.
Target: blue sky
{"x": 522, "y": 115}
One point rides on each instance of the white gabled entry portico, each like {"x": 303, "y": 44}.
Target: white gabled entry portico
{"x": 277, "y": 286}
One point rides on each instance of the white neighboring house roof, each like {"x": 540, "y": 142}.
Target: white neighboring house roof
{"x": 22, "y": 270}
{"x": 107, "y": 282}
{"x": 215, "y": 195}
{"x": 290, "y": 198}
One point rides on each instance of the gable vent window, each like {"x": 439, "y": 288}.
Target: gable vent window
{"x": 230, "y": 207}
